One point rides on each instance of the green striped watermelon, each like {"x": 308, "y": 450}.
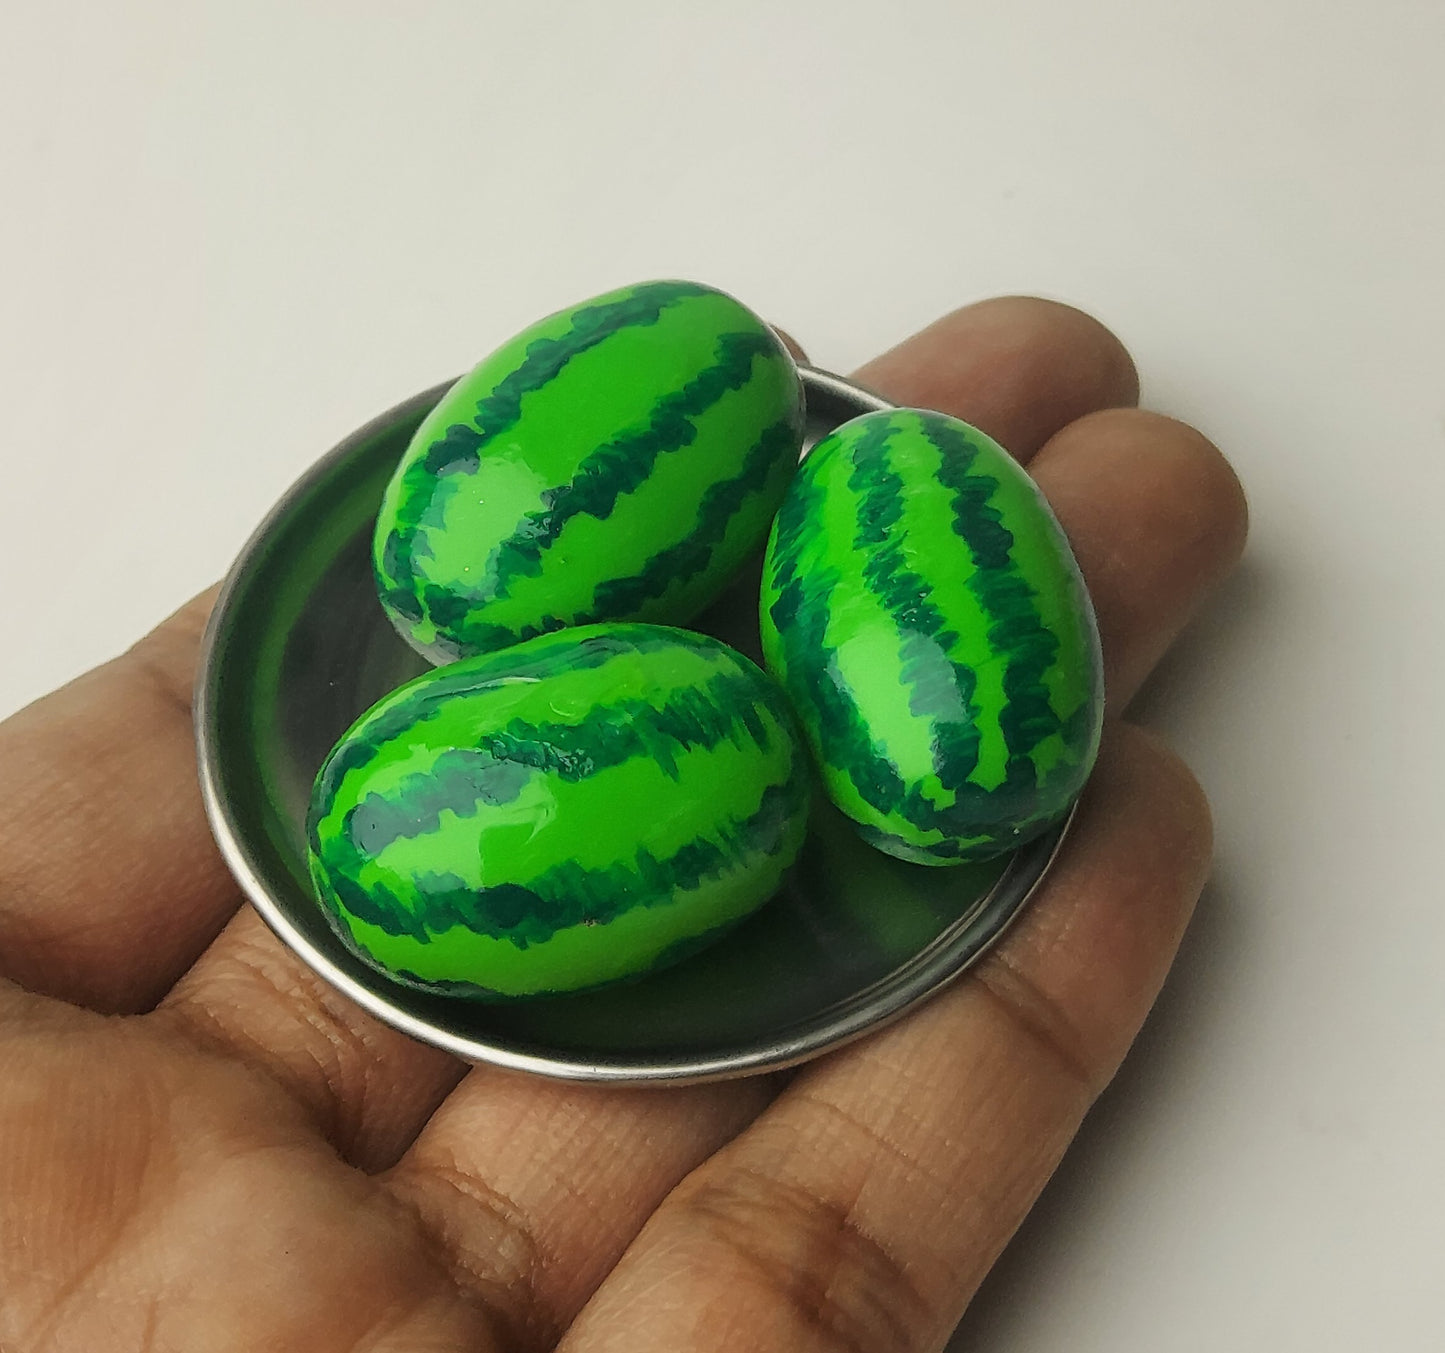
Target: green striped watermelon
{"x": 580, "y": 808}
{"x": 925, "y": 613}
{"x": 615, "y": 461}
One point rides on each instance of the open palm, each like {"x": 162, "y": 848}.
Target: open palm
{"x": 203, "y": 1148}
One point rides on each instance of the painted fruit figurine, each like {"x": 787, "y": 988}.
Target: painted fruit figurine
{"x": 615, "y": 461}
{"x": 925, "y": 613}
{"x": 584, "y": 807}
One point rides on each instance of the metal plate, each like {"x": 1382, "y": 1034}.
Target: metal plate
{"x": 298, "y": 647}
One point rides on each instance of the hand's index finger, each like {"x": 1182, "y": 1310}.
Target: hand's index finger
{"x": 1017, "y": 367}
{"x": 110, "y": 883}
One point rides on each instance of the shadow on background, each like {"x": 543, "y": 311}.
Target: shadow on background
{"x": 1192, "y": 691}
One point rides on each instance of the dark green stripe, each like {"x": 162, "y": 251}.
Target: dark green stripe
{"x": 691, "y": 719}
{"x": 461, "y": 781}
{"x": 458, "y": 450}
{"x": 720, "y": 505}
{"x": 936, "y": 681}
{"x": 464, "y": 780}
{"x": 801, "y": 625}
{"x": 624, "y": 464}
{"x": 568, "y": 894}
{"x": 472, "y": 677}
{"x": 1016, "y": 630}
{"x": 449, "y": 611}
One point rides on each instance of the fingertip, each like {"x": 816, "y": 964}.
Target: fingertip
{"x": 1202, "y": 482}
{"x": 1097, "y": 366}
{"x": 1147, "y": 770}
{"x": 1018, "y": 367}
{"x": 1156, "y": 517}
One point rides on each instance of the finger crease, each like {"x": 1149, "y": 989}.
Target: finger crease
{"x": 205, "y": 1032}
{"x": 158, "y": 679}
{"x": 338, "y": 1054}
{"x": 914, "y": 1167}
{"x": 502, "y": 1274}
{"x": 1038, "y": 1017}
{"x": 811, "y": 1253}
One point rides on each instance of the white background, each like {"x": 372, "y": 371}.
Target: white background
{"x": 230, "y": 232}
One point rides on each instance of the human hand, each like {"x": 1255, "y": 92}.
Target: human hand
{"x": 204, "y": 1148}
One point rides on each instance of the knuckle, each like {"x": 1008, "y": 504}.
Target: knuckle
{"x": 808, "y": 1255}
{"x": 325, "y": 1069}
{"x": 485, "y": 1243}
{"x": 1040, "y": 1019}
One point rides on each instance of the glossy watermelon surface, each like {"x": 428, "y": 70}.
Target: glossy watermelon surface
{"x": 926, "y": 615}
{"x": 586, "y": 806}
{"x": 617, "y": 460}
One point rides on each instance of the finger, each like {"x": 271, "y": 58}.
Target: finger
{"x": 791, "y": 343}
{"x": 864, "y": 1206}
{"x": 1017, "y": 367}
{"x": 1154, "y": 513}
{"x": 536, "y": 1188}
{"x": 343, "y": 1077}
{"x": 1145, "y": 466}
{"x": 110, "y": 884}
{"x": 366, "y": 1087}
{"x": 1156, "y": 518}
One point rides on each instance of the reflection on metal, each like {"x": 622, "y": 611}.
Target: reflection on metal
{"x": 298, "y": 647}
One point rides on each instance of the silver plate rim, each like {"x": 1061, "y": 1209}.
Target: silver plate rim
{"x": 953, "y": 953}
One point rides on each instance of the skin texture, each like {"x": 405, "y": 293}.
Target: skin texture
{"x": 207, "y": 1149}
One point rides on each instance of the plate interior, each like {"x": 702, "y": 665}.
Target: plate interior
{"x": 299, "y": 647}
